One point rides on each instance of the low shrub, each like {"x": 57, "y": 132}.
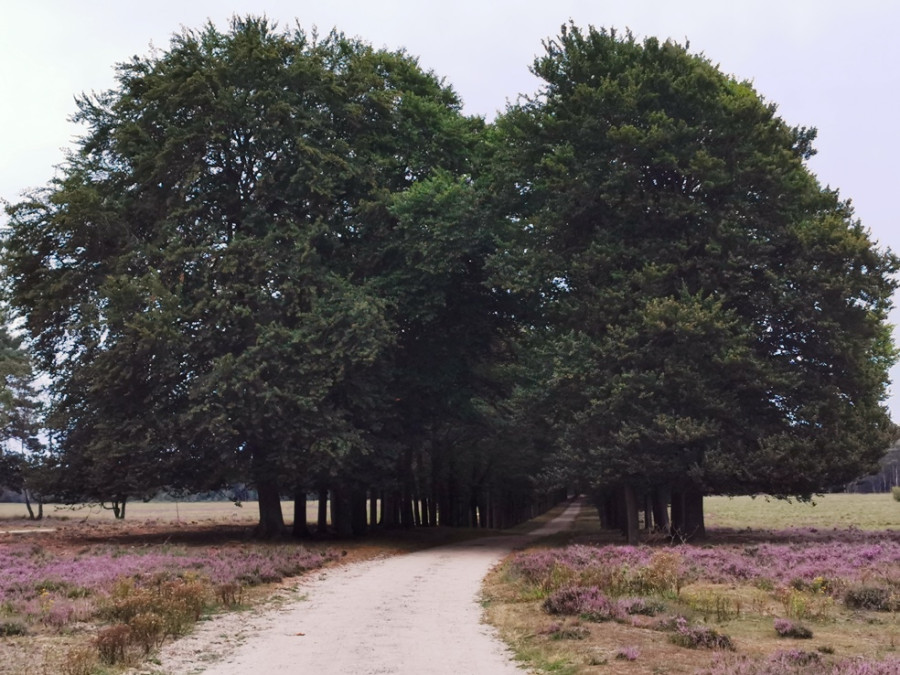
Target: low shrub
{"x": 877, "y": 598}
{"x": 78, "y": 661}
{"x": 896, "y": 492}
{"x": 797, "y": 662}
{"x": 642, "y": 606}
{"x": 10, "y": 628}
{"x": 176, "y": 602}
{"x": 628, "y": 653}
{"x": 586, "y": 601}
{"x": 230, "y": 594}
{"x": 112, "y": 643}
{"x": 699, "y": 637}
{"x": 148, "y": 630}
{"x": 570, "y": 633}
{"x": 795, "y": 658}
{"x": 788, "y": 629}
{"x": 862, "y": 666}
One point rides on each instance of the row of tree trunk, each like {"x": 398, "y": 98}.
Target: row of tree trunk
{"x": 354, "y": 511}
{"x": 674, "y": 511}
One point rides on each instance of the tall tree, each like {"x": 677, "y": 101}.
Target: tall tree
{"x": 713, "y": 320}
{"x": 20, "y": 419}
{"x": 193, "y": 281}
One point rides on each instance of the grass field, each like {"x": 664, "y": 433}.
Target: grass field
{"x": 865, "y": 511}
{"x": 221, "y": 512}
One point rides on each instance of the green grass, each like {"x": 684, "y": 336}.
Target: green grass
{"x": 864, "y": 511}
{"x": 223, "y": 512}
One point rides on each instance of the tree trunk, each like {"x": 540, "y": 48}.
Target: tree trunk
{"x": 28, "y": 505}
{"x": 629, "y": 502}
{"x": 482, "y": 508}
{"x": 322, "y": 520}
{"x": 389, "y": 509}
{"x": 660, "y": 498}
{"x": 648, "y": 511}
{"x": 373, "y": 508}
{"x": 687, "y": 514}
{"x": 358, "y": 512}
{"x": 117, "y": 506}
{"x": 300, "y": 528}
{"x": 341, "y": 512}
{"x": 406, "y": 507}
{"x": 417, "y": 511}
{"x": 271, "y": 519}
{"x": 676, "y": 526}
{"x": 694, "y": 525}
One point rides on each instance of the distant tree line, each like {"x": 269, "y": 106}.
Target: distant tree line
{"x": 290, "y": 260}
{"x": 886, "y": 477}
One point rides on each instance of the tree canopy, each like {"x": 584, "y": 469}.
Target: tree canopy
{"x": 289, "y": 259}
{"x": 715, "y": 319}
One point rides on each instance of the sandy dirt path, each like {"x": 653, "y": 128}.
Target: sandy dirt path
{"x": 409, "y": 614}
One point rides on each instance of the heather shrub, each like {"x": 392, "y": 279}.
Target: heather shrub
{"x": 699, "y": 637}
{"x": 795, "y": 658}
{"x": 797, "y": 662}
{"x": 849, "y": 556}
{"x": 586, "y": 601}
{"x": 635, "y": 605}
{"x": 788, "y": 629}
{"x": 875, "y": 598}
{"x": 628, "y": 653}
{"x": 862, "y": 666}
{"x": 10, "y": 628}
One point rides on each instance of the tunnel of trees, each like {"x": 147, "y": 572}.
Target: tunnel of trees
{"x": 290, "y": 260}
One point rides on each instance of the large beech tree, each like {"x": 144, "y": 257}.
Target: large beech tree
{"x": 198, "y": 280}
{"x": 708, "y": 318}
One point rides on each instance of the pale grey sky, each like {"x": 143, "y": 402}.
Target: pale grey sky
{"x": 832, "y": 65}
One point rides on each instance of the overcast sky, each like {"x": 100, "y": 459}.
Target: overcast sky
{"x": 832, "y": 65}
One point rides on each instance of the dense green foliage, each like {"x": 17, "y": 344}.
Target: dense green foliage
{"x": 290, "y": 260}
{"x": 240, "y": 274}
{"x": 20, "y": 424}
{"x": 712, "y": 319}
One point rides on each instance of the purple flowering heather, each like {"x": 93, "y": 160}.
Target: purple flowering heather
{"x": 797, "y": 662}
{"x": 849, "y": 555}
{"x": 57, "y": 589}
{"x": 580, "y": 600}
{"x": 628, "y": 653}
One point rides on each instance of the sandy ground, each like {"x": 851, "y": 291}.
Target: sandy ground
{"x": 410, "y": 614}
